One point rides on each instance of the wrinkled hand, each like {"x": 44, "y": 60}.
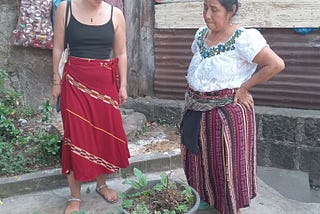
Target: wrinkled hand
{"x": 123, "y": 96}
{"x": 243, "y": 97}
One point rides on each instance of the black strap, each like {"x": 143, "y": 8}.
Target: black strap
{"x": 111, "y": 12}
{"x": 65, "y": 23}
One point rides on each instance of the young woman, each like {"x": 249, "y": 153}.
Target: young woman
{"x": 218, "y": 128}
{"x": 91, "y": 89}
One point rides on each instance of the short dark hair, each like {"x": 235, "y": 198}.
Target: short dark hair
{"x": 227, "y": 4}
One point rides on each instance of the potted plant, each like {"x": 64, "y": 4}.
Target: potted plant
{"x": 162, "y": 196}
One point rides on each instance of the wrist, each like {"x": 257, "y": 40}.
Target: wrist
{"x": 56, "y": 82}
{"x": 123, "y": 86}
{"x": 56, "y": 75}
{"x": 244, "y": 87}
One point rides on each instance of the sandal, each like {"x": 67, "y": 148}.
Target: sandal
{"x": 98, "y": 190}
{"x": 70, "y": 200}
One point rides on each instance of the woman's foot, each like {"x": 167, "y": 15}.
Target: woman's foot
{"x": 73, "y": 206}
{"x": 204, "y": 205}
{"x": 107, "y": 194}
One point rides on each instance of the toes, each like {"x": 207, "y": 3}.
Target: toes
{"x": 73, "y": 206}
{"x": 110, "y": 195}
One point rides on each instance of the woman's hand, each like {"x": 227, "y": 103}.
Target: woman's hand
{"x": 243, "y": 97}
{"x": 270, "y": 64}
{"x": 56, "y": 89}
{"x": 123, "y": 96}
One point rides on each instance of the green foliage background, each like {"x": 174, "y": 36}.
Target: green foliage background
{"x": 24, "y": 150}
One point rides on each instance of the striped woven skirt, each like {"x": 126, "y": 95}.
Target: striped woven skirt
{"x": 94, "y": 140}
{"x": 224, "y": 169}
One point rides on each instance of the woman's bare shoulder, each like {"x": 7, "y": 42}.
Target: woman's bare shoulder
{"x": 117, "y": 12}
{"x": 62, "y": 6}
{"x": 118, "y": 16}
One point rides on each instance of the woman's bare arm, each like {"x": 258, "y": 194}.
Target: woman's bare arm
{"x": 120, "y": 51}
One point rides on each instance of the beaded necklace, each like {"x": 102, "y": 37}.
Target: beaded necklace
{"x": 216, "y": 50}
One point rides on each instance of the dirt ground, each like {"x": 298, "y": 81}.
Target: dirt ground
{"x": 155, "y": 138}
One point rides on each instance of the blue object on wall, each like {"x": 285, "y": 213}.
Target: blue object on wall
{"x": 55, "y": 4}
{"x": 305, "y": 31}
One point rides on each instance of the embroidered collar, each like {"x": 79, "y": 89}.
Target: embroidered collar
{"x": 220, "y": 48}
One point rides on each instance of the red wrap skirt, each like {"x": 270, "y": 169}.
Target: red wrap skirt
{"x": 94, "y": 140}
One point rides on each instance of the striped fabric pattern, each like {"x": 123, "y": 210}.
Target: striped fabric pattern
{"x": 92, "y": 93}
{"x": 224, "y": 171}
{"x": 90, "y": 157}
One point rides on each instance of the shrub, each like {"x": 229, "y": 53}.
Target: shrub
{"x": 22, "y": 148}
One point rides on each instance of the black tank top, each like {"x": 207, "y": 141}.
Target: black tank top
{"x": 90, "y": 41}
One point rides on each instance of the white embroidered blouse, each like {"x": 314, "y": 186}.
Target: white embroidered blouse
{"x": 226, "y": 65}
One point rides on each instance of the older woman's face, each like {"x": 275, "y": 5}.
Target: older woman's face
{"x": 215, "y": 15}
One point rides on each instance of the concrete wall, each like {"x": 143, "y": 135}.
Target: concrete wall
{"x": 30, "y": 69}
{"x": 286, "y": 138}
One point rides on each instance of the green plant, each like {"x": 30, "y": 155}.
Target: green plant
{"x": 140, "y": 182}
{"x": 27, "y": 112}
{"x": 82, "y": 211}
{"x": 46, "y": 110}
{"x": 166, "y": 121}
{"x": 141, "y": 131}
{"x": 49, "y": 144}
{"x": 37, "y": 212}
{"x": 8, "y": 97}
{"x": 165, "y": 197}
{"x": 24, "y": 148}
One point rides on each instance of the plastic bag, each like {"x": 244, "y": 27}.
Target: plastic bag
{"x": 34, "y": 28}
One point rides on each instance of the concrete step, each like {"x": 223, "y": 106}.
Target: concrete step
{"x": 268, "y": 200}
{"x": 289, "y": 183}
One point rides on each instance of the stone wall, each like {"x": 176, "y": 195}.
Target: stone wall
{"x": 286, "y": 138}
{"x": 289, "y": 139}
{"x": 30, "y": 68}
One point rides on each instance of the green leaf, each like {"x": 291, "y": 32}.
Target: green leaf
{"x": 158, "y": 187}
{"x": 142, "y": 178}
{"x": 132, "y": 183}
{"x": 164, "y": 180}
{"x": 127, "y": 203}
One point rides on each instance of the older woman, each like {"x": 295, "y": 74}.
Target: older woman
{"x": 92, "y": 88}
{"x": 218, "y": 128}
